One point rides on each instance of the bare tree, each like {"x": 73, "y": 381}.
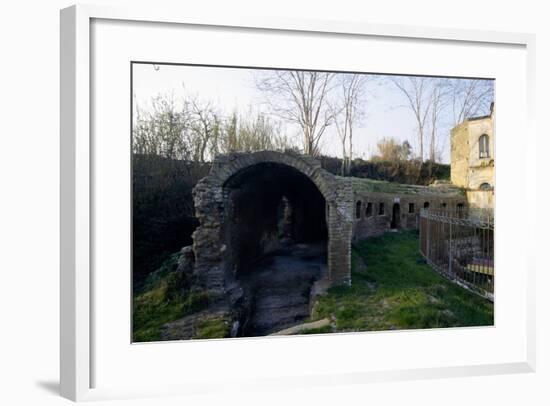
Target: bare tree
{"x": 205, "y": 129}
{"x": 186, "y": 130}
{"x": 300, "y": 97}
{"x": 347, "y": 113}
{"x": 196, "y": 130}
{"x": 256, "y": 132}
{"x": 160, "y": 130}
{"x": 253, "y": 131}
{"x": 229, "y": 141}
{"x": 457, "y": 100}
{"x": 437, "y": 104}
{"x": 469, "y": 97}
{"x": 341, "y": 124}
{"x": 417, "y": 94}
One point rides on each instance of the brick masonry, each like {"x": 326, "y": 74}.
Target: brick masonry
{"x": 374, "y": 212}
{"x": 346, "y": 213}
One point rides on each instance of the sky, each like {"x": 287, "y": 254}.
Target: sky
{"x": 233, "y": 89}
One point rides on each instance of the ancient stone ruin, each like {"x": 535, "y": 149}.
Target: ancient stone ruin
{"x": 275, "y": 230}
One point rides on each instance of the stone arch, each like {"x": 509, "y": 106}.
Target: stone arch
{"x": 210, "y": 197}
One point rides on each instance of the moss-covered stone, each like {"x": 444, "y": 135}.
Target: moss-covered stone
{"x": 215, "y": 327}
{"x": 167, "y": 295}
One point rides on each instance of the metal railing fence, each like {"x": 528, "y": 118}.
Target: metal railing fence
{"x": 459, "y": 244}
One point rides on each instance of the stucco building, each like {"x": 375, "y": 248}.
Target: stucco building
{"x": 472, "y": 159}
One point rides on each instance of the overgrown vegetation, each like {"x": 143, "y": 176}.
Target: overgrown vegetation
{"x": 217, "y": 327}
{"x": 410, "y": 172}
{"x": 381, "y": 186}
{"x": 163, "y": 210}
{"x": 165, "y": 296}
{"x": 393, "y": 288}
{"x": 163, "y": 217}
{"x": 175, "y": 139}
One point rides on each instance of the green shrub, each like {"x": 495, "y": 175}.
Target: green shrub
{"x": 165, "y": 297}
{"x": 213, "y": 328}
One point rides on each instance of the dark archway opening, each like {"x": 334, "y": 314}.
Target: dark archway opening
{"x": 485, "y": 186}
{"x": 368, "y": 210}
{"x": 358, "y": 210}
{"x": 275, "y": 235}
{"x": 396, "y": 216}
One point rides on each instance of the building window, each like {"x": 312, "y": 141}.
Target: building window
{"x": 443, "y": 205}
{"x": 411, "y": 207}
{"x": 368, "y": 210}
{"x": 358, "y": 210}
{"x": 484, "y": 146}
{"x": 426, "y": 205}
{"x": 381, "y": 209}
{"x": 485, "y": 186}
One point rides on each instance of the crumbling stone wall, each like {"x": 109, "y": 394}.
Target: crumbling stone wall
{"x": 211, "y": 196}
{"x": 214, "y": 205}
{"x": 372, "y": 222}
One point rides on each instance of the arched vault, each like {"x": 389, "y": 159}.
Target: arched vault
{"x": 213, "y": 210}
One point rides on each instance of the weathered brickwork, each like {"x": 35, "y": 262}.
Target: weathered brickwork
{"x": 377, "y": 213}
{"x": 212, "y": 206}
{"x": 355, "y": 209}
{"x": 340, "y": 226}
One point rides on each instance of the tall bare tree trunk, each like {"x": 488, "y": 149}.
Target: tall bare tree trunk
{"x": 301, "y": 98}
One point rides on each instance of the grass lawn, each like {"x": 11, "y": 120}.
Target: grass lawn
{"x": 393, "y": 288}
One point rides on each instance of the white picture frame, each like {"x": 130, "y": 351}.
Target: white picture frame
{"x": 77, "y": 325}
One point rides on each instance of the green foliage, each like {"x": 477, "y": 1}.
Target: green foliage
{"x": 253, "y": 132}
{"x": 165, "y": 274}
{"x": 194, "y": 129}
{"x": 397, "y": 290}
{"x": 173, "y": 143}
{"x": 166, "y": 296}
{"x": 401, "y": 171}
{"x": 213, "y": 328}
{"x": 163, "y": 216}
{"x": 381, "y": 186}
{"x": 390, "y": 149}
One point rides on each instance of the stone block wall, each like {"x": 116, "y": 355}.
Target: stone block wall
{"x": 340, "y": 228}
{"x": 373, "y": 222}
{"x": 210, "y": 197}
{"x": 346, "y": 214}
